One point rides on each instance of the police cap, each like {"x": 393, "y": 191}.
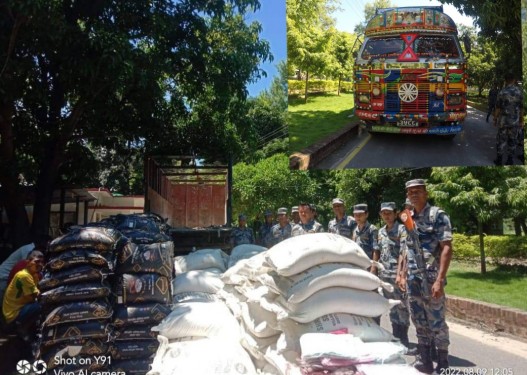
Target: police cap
{"x": 360, "y": 208}
{"x": 416, "y": 182}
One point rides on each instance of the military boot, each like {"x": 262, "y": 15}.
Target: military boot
{"x": 423, "y": 362}
{"x": 442, "y": 361}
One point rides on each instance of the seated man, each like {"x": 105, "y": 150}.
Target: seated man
{"x": 23, "y": 263}
{"x": 20, "y": 309}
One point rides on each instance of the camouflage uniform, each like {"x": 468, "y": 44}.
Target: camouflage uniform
{"x": 391, "y": 242}
{"x": 366, "y": 238}
{"x": 266, "y": 235}
{"x": 344, "y": 227}
{"x": 428, "y": 314}
{"x": 312, "y": 227}
{"x": 510, "y": 102}
{"x": 280, "y": 234}
{"x": 241, "y": 236}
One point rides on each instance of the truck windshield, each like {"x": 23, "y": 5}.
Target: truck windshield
{"x": 383, "y": 47}
{"x": 436, "y": 46}
{"x": 426, "y": 45}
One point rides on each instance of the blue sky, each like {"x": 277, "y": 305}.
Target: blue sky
{"x": 352, "y": 12}
{"x": 272, "y": 17}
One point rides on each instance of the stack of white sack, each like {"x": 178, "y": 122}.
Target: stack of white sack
{"x": 200, "y": 323}
{"x": 312, "y": 283}
{"x": 198, "y": 275}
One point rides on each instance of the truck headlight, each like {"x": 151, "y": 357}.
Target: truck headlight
{"x": 363, "y": 98}
{"x": 439, "y": 93}
{"x": 376, "y": 91}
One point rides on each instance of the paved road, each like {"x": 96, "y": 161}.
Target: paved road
{"x": 474, "y": 147}
{"x": 474, "y": 351}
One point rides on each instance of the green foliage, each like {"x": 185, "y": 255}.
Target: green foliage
{"x": 467, "y": 247}
{"x": 482, "y": 60}
{"x": 270, "y": 184}
{"x": 318, "y": 86}
{"x": 115, "y": 75}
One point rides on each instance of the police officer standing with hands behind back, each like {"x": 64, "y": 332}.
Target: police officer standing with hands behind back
{"x": 433, "y": 233}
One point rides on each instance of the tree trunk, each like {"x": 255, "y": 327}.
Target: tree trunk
{"x": 12, "y": 193}
{"x": 305, "y": 93}
{"x": 523, "y": 226}
{"x": 482, "y": 248}
{"x": 517, "y": 226}
{"x": 338, "y": 89}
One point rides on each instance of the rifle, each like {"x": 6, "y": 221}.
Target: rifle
{"x": 406, "y": 218}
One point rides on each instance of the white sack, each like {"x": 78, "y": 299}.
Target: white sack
{"x": 200, "y": 260}
{"x": 296, "y": 254}
{"x": 197, "y": 281}
{"x": 244, "y": 251}
{"x": 297, "y": 288}
{"x": 256, "y": 346}
{"x": 317, "y": 345}
{"x": 201, "y": 357}
{"x": 330, "y": 301}
{"x": 246, "y": 269}
{"x": 260, "y": 322}
{"x": 194, "y": 297}
{"x": 208, "y": 319}
{"x": 359, "y": 326}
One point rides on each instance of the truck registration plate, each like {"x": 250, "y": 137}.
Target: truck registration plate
{"x": 407, "y": 123}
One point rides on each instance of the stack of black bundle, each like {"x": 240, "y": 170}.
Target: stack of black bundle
{"x": 143, "y": 289}
{"x": 76, "y": 299}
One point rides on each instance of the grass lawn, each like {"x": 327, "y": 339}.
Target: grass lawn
{"x": 320, "y": 117}
{"x": 501, "y": 286}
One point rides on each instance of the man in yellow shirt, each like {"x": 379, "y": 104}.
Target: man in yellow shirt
{"x": 19, "y": 307}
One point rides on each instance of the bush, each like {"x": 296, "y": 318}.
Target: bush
{"x": 296, "y": 87}
{"x": 495, "y": 246}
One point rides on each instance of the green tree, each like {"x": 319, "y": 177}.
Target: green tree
{"x": 81, "y": 75}
{"x": 482, "y": 59}
{"x": 499, "y": 21}
{"x": 310, "y": 30}
{"x": 343, "y": 56}
{"x": 480, "y": 194}
{"x": 270, "y": 184}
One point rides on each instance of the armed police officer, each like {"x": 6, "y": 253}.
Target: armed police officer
{"x": 307, "y": 224}
{"x": 432, "y": 250}
{"x": 282, "y": 230}
{"x": 342, "y": 224}
{"x": 295, "y": 215}
{"x": 241, "y": 234}
{"x": 508, "y": 117}
{"x": 392, "y": 239}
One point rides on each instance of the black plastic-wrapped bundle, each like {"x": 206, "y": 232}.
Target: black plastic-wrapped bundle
{"x": 77, "y": 275}
{"x": 67, "y": 332}
{"x": 146, "y": 258}
{"x": 97, "y": 238}
{"x": 80, "y": 257}
{"x": 146, "y": 314}
{"x": 75, "y": 293}
{"x": 78, "y": 312}
{"x": 143, "y": 288}
{"x": 134, "y": 349}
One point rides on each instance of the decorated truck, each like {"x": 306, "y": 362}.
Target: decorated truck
{"x": 410, "y": 73}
